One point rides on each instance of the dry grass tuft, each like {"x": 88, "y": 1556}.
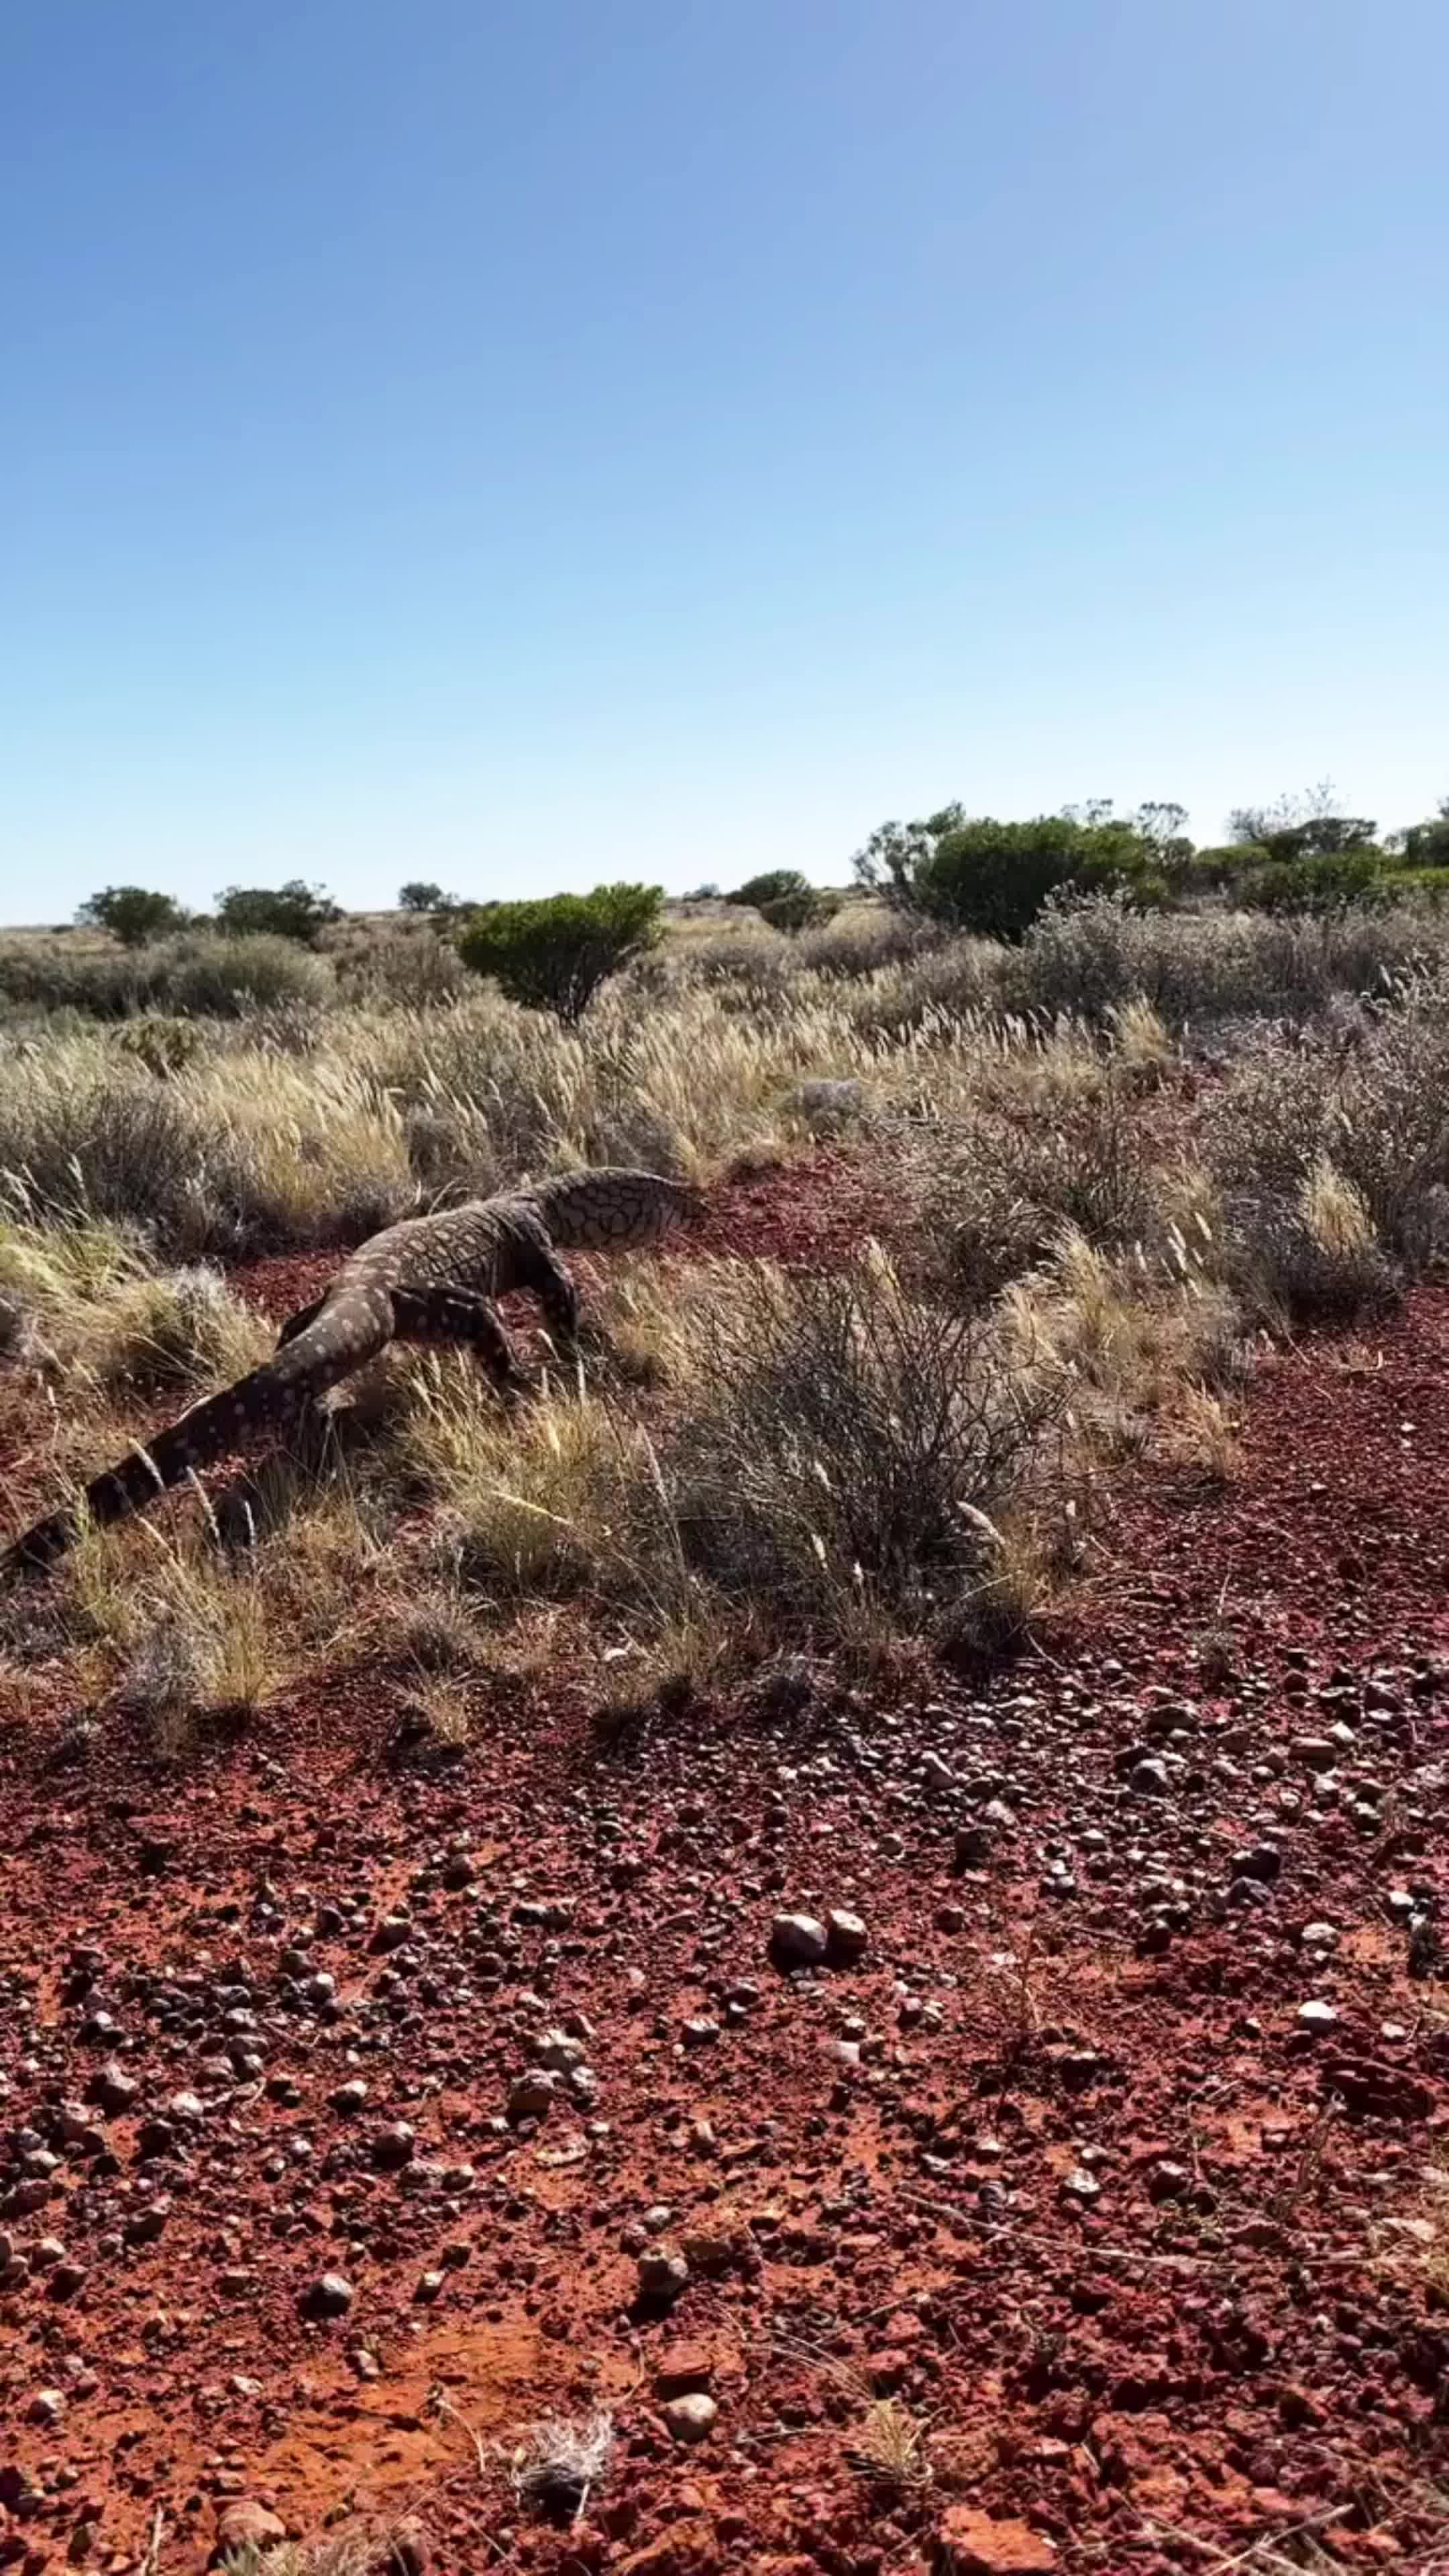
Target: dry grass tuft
{"x": 354, "y": 2550}
{"x": 564, "y": 2460}
{"x": 848, "y": 1451}
{"x": 888, "y": 2447}
{"x": 197, "y": 1638}
{"x": 1205, "y": 1434}
{"x": 438, "y": 1633}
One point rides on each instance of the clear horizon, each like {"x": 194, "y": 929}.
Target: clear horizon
{"x": 524, "y": 447}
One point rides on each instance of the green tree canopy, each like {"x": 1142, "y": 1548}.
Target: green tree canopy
{"x": 133, "y": 914}
{"x": 290, "y": 911}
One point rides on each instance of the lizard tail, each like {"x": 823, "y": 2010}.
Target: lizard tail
{"x": 341, "y": 1338}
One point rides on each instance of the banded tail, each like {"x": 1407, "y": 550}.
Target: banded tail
{"x": 342, "y": 1335}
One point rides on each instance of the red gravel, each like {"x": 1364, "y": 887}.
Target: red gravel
{"x": 812, "y": 1210}
{"x": 1079, "y": 2204}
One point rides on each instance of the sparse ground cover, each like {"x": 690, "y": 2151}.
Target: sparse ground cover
{"x": 1012, "y": 1523}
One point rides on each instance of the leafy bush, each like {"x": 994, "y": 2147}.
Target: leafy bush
{"x": 897, "y": 853}
{"x": 1426, "y": 845}
{"x": 808, "y": 911}
{"x": 1302, "y": 827}
{"x": 1428, "y": 884}
{"x": 290, "y": 911}
{"x": 555, "y": 953}
{"x": 786, "y": 899}
{"x": 775, "y": 885}
{"x": 132, "y": 914}
{"x": 1312, "y": 881}
{"x": 1214, "y": 871}
{"x": 420, "y": 895}
{"x": 994, "y": 877}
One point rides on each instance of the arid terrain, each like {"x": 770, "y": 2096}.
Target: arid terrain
{"x": 677, "y": 1984}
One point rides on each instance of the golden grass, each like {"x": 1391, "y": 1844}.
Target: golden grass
{"x": 356, "y": 2549}
{"x": 888, "y": 2448}
{"x": 1336, "y": 1213}
{"x": 687, "y": 1490}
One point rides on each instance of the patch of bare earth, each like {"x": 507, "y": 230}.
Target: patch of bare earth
{"x": 1107, "y": 2169}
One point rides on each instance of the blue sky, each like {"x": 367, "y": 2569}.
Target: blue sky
{"x": 522, "y": 442}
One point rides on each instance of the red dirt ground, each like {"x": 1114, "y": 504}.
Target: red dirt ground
{"x": 1058, "y": 2163}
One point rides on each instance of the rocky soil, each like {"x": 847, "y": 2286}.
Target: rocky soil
{"x": 939, "y": 2127}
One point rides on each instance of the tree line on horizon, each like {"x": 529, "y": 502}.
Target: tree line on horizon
{"x": 951, "y": 869}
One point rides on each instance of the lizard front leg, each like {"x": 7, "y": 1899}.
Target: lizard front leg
{"x": 452, "y": 1315}
{"x": 541, "y": 1271}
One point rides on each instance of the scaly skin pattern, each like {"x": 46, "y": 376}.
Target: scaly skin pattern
{"x": 429, "y": 1279}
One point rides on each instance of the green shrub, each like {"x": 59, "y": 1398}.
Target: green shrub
{"x": 897, "y": 853}
{"x": 290, "y": 911}
{"x": 1215, "y": 871}
{"x": 1426, "y": 845}
{"x": 1430, "y": 881}
{"x": 421, "y": 895}
{"x": 555, "y": 953}
{"x": 1302, "y": 828}
{"x": 991, "y": 877}
{"x": 786, "y": 899}
{"x": 1312, "y": 882}
{"x": 808, "y": 911}
{"x": 132, "y": 914}
{"x": 994, "y": 877}
{"x": 774, "y": 885}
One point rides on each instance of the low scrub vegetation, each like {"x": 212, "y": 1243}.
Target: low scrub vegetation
{"x": 1113, "y": 1151}
{"x": 1302, "y": 855}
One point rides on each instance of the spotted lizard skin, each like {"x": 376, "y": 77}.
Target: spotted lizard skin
{"x": 429, "y": 1279}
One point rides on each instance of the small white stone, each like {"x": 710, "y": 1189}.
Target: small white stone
{"x": 1317, "y": 2016}
{"x": 691, "y": 2418}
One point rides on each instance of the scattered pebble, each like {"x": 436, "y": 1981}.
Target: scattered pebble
{"x": 798, "y": 1941}
{"x": 691, "y": 2418}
